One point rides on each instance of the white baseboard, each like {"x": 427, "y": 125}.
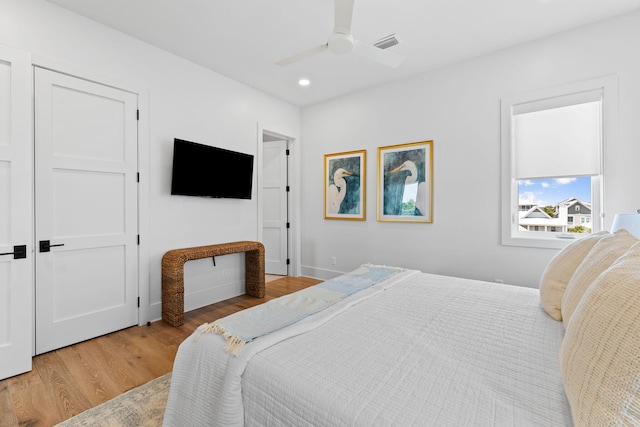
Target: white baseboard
{"x": 202, "y": 298}
{"x": 155, "y": 311}
{"x": 225, "y": 291}
{"x": 320, "y": 273}
{"x": 213, "y": 295}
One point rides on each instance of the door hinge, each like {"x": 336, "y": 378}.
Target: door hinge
{"x": 288, "y": 225}
{"x": 138, "y": 177}
{"x": 137, "y": 114}
{"x": 138, "y": 301}
{"x": 138, "y": 239}
{"x": 287, "y": 152}
{"x": 288, "y": 188}
{"x": 288, "y": 261}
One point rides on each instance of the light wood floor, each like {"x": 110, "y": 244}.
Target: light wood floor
{"x": 70, "y": 380}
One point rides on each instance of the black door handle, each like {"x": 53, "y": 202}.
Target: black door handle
{"x": 19, "y": 252}
{"x": 45, "y": 245}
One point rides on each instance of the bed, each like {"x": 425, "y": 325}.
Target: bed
{"x": 414, "y": 348}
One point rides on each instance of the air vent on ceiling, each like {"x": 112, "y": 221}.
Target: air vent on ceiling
{"x": 387, "y": 42}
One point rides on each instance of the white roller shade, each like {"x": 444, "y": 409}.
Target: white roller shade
{"x": 558, "y": 137}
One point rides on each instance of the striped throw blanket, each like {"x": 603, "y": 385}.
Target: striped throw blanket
{"x": 250, "y": 324}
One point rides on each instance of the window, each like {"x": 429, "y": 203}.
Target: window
{"x": 552, "y": 145}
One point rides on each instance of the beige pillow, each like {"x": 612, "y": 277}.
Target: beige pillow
{"x": 600, "y": 257}
{"x": 559, "y": 271}
{"x": 600, "y": 352}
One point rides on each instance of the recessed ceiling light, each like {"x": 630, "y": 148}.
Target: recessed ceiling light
{"x": 304, "y": 82}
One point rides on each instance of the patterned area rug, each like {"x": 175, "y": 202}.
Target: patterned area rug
{"x": 141, "y": 406}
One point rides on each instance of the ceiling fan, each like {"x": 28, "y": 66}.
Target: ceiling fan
{"x": 341, "y": 41}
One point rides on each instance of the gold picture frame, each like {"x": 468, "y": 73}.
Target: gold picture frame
{"x": 405, "y": 182}
{"x": 345, "y": 185}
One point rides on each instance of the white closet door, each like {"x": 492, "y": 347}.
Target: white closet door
{"x": 86, "y": 209}
{"x": 274, "y": 206}
{"x": 16, "y": 283}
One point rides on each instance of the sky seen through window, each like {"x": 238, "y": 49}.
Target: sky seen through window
{"x": 551, "y": 191}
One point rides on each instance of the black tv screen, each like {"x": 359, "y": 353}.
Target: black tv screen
{"x": 206, "y": 171}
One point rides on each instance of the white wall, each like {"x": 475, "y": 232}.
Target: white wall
{"x": 184, "y": 101}
{"x": 458, "y": 107}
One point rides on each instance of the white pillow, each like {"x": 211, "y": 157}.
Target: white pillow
{"x": 600, "y": 257}
{"x": 600, "y": 352}
{"x": 559, "y": 271}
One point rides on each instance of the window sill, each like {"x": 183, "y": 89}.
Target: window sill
{"x": 556, "y": 241}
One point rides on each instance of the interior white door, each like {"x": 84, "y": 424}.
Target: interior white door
{"x": 274, "y": 206}
{"x": 86, "y": 209}
{"x": 16, "y": 258}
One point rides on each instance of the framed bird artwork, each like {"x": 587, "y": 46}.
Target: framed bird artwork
{"x": 405, "y": 182}
{"x": 344, "y": 185}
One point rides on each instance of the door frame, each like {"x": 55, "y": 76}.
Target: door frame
{"x": 142, "y": 92}
{"x": 22, "y": 141}
{"x": 293, "y": 143}
{"x": 265, "y": 142}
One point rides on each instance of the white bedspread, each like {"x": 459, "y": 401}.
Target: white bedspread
{"x": 429, "y": 351}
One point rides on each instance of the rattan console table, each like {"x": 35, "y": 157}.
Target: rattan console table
{"x": 173, "y": 273}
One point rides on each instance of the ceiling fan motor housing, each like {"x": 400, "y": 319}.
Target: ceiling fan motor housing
{"x": 340, "y": 43}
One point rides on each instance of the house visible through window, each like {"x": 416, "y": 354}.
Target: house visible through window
{"x": 552, "y": 143}
{"x": 553, "y": 204}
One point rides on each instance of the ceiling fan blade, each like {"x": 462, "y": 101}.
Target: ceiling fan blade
{"x": 381, "y": 56}
{"x": 302, "y": 55}
{"x": 343, "y": 15}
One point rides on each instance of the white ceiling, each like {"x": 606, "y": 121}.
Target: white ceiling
{"x": 242, "y": 39}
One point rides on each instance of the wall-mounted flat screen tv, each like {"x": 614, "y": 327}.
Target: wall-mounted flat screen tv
{"x": 206, "y": 171}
